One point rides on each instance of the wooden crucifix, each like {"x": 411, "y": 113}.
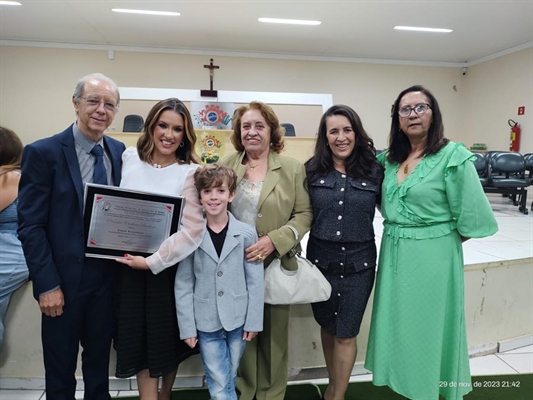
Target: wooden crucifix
{"x": 210, "y": 92}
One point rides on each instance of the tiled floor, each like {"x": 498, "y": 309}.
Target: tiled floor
{"x": 514, "y": 240}
{"x": 518, "y": 361}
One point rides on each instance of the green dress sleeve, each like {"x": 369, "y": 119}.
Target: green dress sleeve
{"x": 468, "y": 203}
{"x": 382, "y": 157}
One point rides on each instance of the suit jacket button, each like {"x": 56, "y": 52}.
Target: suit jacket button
{"x": 259, "y": 215}
{"x": 221, "y": 293}
{"x": 220, "y": 273}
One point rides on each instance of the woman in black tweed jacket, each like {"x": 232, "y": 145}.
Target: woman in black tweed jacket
{"x": 344, "y": 182}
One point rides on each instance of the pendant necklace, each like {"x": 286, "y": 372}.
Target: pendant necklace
{"x": 252, "y": 167}
{"x": 406, "y": 168}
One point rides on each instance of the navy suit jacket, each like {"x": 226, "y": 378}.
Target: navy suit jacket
{"x": 50, "y": 211}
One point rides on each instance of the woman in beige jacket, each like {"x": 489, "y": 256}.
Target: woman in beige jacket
{"x": 270, "y": 195}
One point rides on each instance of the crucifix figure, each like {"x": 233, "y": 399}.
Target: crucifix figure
{"x": 210, "y": 92}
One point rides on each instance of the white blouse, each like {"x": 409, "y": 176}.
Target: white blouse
{"x": 174, "y": 180}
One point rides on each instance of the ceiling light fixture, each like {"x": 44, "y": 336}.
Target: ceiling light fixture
{"x": 420, "y": 29}
{"x": 147, "y": 12}
{"x": 289, "y": 21}
{"x": 10, "y": 3}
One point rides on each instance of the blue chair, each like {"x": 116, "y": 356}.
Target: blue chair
{"x": 528, "y": 159}
{"x": 507, "y": 175}
{"x": 289, "y": 129}
{"x": 133, "y": 123}
{"x": 482, "y": 168}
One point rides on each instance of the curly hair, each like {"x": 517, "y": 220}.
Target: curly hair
{"x": 361, "y": 163}
{"x": 399, "y": 144}
{"x": 276, "y": 130}
{"x": 185, "y": 154}
{"x": 215, "y": 175}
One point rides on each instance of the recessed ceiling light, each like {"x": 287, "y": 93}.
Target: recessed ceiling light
{"x": 10, "y": 3}
{"x": 289, "y": 21}
{"x": 147, "y": 12}
{"x": 420, "y": 29}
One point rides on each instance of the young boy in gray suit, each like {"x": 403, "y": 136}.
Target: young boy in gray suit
{"x": 219, "y": 295}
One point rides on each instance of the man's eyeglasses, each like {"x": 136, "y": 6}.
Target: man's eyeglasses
{"x": 94, "y": 102}
{"x": 419, "y": 109}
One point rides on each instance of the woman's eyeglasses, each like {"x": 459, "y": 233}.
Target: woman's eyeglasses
{"x": 419, "y": 109}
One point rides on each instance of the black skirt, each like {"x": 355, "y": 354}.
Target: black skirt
{"x": 146, "y": 330}
{"x": 350, "y": 268}
{"x": 342, "y": 314}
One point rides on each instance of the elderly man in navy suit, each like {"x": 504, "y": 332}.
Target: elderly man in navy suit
{"x": 75, "y": 293}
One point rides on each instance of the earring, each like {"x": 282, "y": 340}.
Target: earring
{"x": 182, "y": 144}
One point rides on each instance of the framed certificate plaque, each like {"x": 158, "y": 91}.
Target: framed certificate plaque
{"x": 119, "y": 221}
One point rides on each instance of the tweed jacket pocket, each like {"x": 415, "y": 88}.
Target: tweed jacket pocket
{"x": 202, "y": 311}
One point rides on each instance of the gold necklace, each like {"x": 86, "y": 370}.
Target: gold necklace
{"x": 159, "y": 166}
{"x": 252, "y": 167}
{"x": 406, "y": 168}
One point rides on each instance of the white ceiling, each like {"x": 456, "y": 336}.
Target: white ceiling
{"x": 351, "y": 30}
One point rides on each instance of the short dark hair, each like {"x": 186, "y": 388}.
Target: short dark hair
{"x": 10, "y": 150}
{"x": 215, "y": 175}
{"x": 361, "y": 163}
{"x": 399, "y": 145}
{"x": 276, "y": 130}
{"x": 185, "y": 154}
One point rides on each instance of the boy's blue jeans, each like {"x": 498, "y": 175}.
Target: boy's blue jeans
{"x": 221, "y": 352}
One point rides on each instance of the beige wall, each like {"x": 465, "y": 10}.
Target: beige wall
{"x": 37, "y": 84}
{"x": 492, "y": 92}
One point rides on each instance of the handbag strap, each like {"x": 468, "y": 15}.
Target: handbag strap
{"x": 293, "y": 251}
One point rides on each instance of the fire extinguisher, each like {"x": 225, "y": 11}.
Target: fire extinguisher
{"x": 514, "y": 144}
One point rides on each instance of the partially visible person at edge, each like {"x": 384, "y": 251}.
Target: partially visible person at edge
{"x": 219, "y": 294}
{"x": 432, "y": 201}
{"x": 270, "y": 195}
{"x": 75, "y": 293}
{"x": 344, "y": 181}
{"x": 147, "y": 337}
{"x": 13, "y": 269}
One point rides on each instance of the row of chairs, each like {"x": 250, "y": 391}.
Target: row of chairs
{"x": 507, "y": 173}
{"x": 134, "y": 123}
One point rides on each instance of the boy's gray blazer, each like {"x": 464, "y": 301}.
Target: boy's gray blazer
{"x": 227, "y": 292}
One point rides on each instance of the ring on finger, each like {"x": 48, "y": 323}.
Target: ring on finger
{"x": 260, "y": 257}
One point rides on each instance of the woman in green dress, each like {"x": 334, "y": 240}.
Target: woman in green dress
{"x": 432, "y": 201}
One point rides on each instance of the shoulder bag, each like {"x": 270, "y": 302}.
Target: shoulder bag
{"x": 305, "y": 285}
